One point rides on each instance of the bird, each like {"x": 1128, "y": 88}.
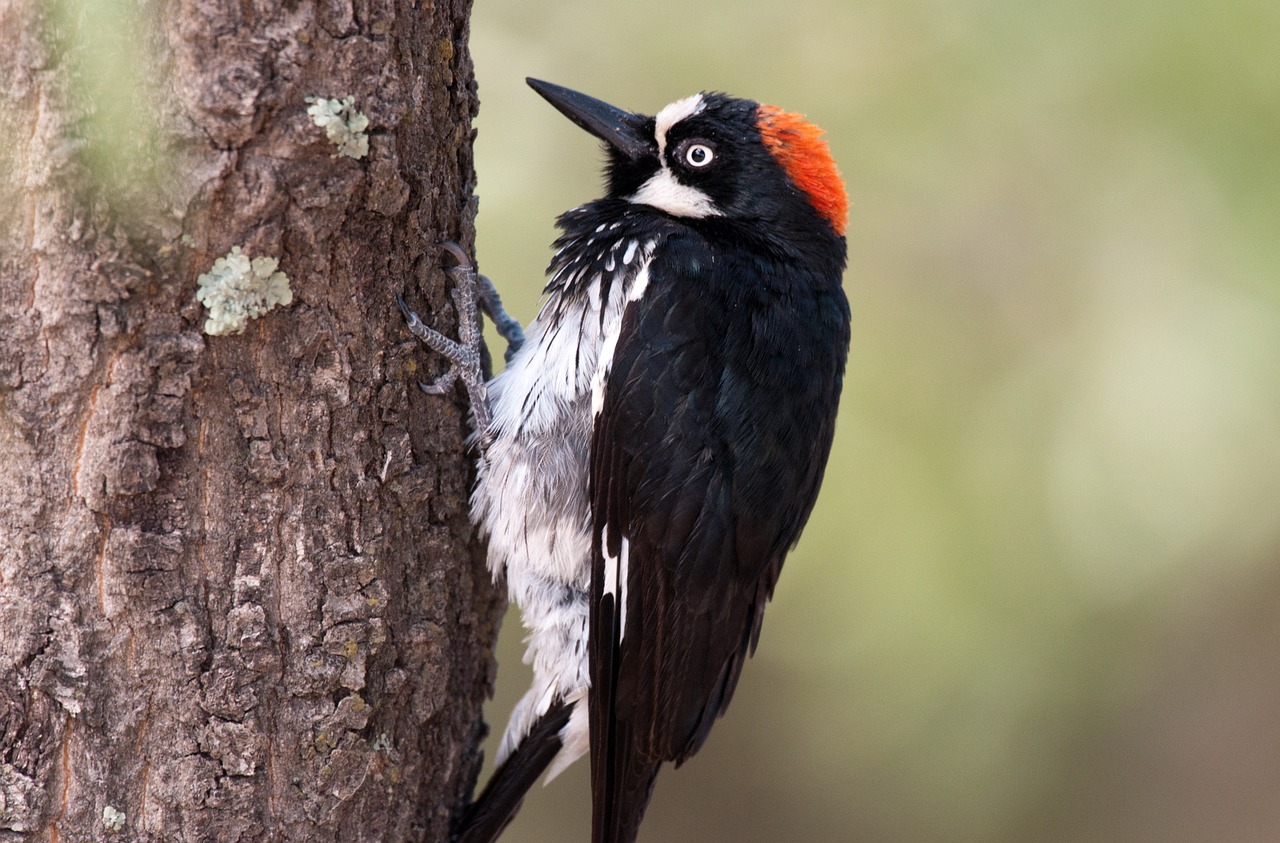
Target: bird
{"x": 657, "y": 440}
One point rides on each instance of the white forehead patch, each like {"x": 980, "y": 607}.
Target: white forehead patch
{"x": 673, "y": 114}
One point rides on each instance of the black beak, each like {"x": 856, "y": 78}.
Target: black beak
{"x": 622, "y": 130}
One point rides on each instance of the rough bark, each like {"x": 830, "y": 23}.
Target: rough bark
{"x": 239, "y": 595}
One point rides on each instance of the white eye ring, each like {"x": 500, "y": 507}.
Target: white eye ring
{"x": 698, "y": 155}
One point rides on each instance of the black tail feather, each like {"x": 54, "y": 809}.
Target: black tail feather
{"x": 616, "y": 819}
{"x": 486, "y": 817}
{"x": 621, "y": 778}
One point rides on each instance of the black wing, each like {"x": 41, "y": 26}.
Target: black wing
{"x": 707, "y": 455}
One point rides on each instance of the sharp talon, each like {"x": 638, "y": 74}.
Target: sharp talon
{"x": 409, "y": 315}
{"x": 459, "y": 253}
{"x": 442, "y": 385}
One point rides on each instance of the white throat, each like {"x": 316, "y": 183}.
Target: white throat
{"x": 664, "y": 192}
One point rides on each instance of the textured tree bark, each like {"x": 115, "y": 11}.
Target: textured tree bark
{"x": 240, "y": 597}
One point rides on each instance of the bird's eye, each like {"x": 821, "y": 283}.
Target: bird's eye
{"x": 698, "y": 155}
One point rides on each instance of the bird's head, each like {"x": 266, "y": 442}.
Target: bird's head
{"x": 715, "y": 156}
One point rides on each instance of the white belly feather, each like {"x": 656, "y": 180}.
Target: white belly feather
{"x": 531, "y": 494}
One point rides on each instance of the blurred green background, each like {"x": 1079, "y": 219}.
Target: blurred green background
{"x": 1036, "y": 600}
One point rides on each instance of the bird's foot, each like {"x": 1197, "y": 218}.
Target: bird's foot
{"x": 508, "y": 328}
{"x": 471, "y": 292}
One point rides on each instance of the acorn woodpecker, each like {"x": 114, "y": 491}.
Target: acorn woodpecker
{"x": 654, "y": 447}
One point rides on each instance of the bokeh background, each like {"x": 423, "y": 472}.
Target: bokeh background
{"x": 1037, "y": 599}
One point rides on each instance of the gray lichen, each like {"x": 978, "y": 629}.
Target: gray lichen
{"x": 238, "y": 289}
{"x": 342, "y": 123}
{"x": 112, "y": 819}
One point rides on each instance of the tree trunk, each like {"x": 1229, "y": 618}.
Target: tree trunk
{"x": 240, "y": 597}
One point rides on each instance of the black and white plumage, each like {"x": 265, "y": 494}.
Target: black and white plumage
{"x": 658, "y": 441}
{"x": 531, "y": 496}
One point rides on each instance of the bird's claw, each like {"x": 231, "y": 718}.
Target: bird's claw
{"x": 438, "y": 342}
{"x": 440, "y": 385}
{"x": 465, "y": 354}
{"x": 472, "y": 293}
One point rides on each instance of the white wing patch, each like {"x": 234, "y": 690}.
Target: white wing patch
{"x": 610, "y": 568}
{"x": 616, "y": 570}
{"x": 624, "y": 565}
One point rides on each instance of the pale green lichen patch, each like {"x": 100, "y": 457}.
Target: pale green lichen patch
{"x": 238, "y": 289}
{"x": 342, "y": 123}
{"x": 112, "y": 819}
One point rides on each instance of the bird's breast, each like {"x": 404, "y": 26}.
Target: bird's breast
{"x": 531, "y": 495}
